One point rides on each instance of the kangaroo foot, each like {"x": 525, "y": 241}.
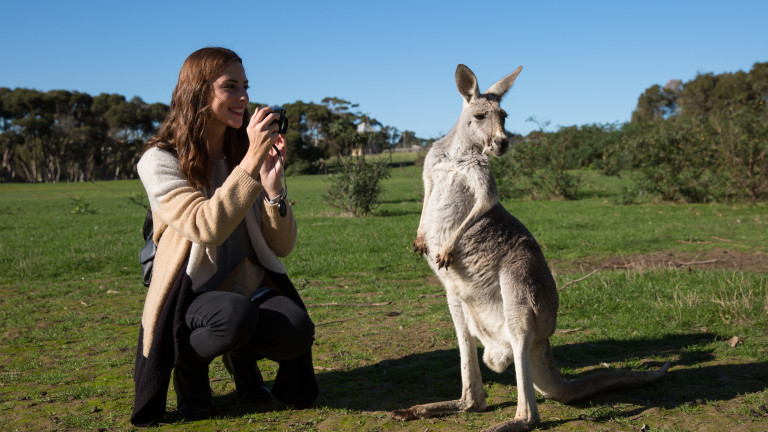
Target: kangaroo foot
{"x": 404, "y": 414}
{"x": 515, "y": 425}
{"x": 436, "y": 409}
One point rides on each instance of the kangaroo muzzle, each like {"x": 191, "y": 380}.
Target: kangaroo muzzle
{"x": 499, "y": 145}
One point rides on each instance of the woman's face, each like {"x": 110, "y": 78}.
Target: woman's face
{"x": 230, "y": 96}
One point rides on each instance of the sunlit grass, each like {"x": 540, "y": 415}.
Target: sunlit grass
{"x": 71, "y": 300}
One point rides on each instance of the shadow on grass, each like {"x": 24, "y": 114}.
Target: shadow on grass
{"x": 402, "y": 201}
{"x": 402, "y": 164}
{"x": 385, "y": 213}
{"x": 435, "y": 376}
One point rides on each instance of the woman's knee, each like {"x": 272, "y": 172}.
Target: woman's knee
{"x": 304, "y": 333}
{"x": 297, "y": 340}
{"x": 291, "y": 327}
{"x": 239, "y": 318}
{"x": 226, "y": 321}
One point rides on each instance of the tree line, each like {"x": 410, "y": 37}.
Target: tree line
{"x": 703, "y": 140}
{"x": 697, "y": 141}
{"x": 72, "y": 136}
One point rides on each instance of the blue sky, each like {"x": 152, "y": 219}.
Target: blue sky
{"x": 583, "y": 61}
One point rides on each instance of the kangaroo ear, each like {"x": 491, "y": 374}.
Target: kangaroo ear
{"x": 500, "y": 88}
{"x": 467, "y": 84}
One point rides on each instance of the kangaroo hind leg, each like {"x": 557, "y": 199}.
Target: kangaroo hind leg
{"x": 527, "y": 414}
{"x": 520, "y": 326}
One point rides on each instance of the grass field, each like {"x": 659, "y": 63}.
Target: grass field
{"x": 672, "y": 282}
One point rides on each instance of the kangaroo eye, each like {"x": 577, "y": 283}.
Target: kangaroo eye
{"x": 480, "y": 116}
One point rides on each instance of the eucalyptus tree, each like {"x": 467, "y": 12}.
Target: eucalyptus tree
{"x": 28, "y": 110}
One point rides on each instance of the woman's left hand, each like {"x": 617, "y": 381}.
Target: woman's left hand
{"x": 271, "y": 170}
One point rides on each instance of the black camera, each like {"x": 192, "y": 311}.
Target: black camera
{"x": 282, "y": 121}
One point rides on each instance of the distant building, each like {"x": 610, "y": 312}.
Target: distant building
{"x": 373, "y": 146}
{"x": 365, "y": 127}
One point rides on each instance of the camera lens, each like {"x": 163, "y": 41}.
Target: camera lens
{"x": 282, "y": 121}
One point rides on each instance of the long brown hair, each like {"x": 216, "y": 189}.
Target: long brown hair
{"x": 185, "y": 130}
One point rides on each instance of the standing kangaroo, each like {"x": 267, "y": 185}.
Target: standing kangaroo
{"x": 499, "y": 288}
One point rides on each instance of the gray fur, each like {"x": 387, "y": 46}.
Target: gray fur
{"x": 499, "y": 287}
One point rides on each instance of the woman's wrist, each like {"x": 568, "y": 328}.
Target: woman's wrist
{"x": 250, "y": 167}
{"x": 275, "y": 197}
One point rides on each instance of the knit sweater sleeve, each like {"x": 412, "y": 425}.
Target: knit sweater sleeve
{"x": 202, "y": 220}
{"x": 280, "y": 232}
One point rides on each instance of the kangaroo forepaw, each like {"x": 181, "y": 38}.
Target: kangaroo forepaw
{"x": 420, "y": 246}
{"x": 445, "y": 258}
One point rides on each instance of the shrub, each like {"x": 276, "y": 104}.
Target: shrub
{"x": 740, "y": 140}
{"x": 503, "y": 169}
{"x": 702, "y": 159}
{"x": 537, "y": 166}
{"x": 356, "y": 186}
{"x": 80, "y": 206}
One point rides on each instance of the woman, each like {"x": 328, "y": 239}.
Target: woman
{"x": 218, "y": 287}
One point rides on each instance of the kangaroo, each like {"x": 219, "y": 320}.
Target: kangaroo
{"x": 499, "y": 288}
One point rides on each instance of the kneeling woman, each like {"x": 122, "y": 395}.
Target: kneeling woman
{"x": 218, "y": 288}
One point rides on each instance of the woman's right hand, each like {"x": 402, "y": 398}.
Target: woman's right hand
{"x": 262, "y": 134}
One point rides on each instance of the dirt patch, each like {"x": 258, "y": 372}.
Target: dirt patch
{"x": 717, "y": 259}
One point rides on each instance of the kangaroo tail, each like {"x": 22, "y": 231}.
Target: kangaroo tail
{"x": 549, "y": 382}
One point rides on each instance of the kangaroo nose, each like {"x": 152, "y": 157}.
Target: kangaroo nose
{"x": 503, "y": 143}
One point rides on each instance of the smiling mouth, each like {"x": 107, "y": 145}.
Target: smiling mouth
{"x": 237, "y": 111}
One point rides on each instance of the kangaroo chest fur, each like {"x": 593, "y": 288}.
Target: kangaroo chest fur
{"x": 450, "y": 203}
{"x": 474, "y": 276}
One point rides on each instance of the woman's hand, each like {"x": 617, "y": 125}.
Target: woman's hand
{"x": 262, "y": 134}
{"x": 271, "y": 170}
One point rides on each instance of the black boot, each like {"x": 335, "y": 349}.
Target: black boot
{"x": 248, "y": 382}
{"x": 194, "y": 399}
{"x": 295, "y": 384}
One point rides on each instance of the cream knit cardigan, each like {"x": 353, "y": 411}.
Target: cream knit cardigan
{"x": 188, "y": 222}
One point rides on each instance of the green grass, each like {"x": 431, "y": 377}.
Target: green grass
{"x": 71, "y": 299}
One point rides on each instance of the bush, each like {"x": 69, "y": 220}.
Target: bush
{"x": 702, "y": 159}
{"x": 537, "y": 166}
{"x": 740, "y": 139}
{"x": 80, "y": 206}
{"x": 503, "y": 170}
{"x": 356, "y": 187}
{"x": 675, "y": 162}
{"x": 630, "y": 195}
